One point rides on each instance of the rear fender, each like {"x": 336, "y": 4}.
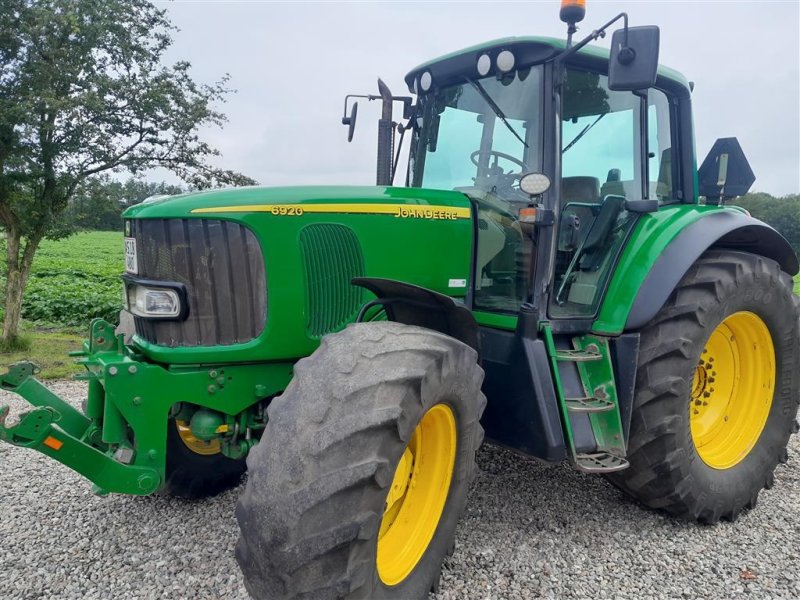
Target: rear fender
{"x": 714, "y": 229}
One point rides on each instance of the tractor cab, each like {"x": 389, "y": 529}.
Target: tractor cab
{"x": 607, "y": 138}
{"x": 492, "y": 114}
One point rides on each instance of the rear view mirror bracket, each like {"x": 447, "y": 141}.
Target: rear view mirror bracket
{"x": 633, "y": 64}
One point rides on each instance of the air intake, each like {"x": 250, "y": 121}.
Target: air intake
{"x": 332, "y": 257}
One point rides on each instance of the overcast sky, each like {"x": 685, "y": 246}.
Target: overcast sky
{"x": 293, "y": 63}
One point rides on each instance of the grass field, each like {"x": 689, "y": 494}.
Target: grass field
{"x": 75, "y": 280}
{"x": 48, "y": 349}
{"x": 72, "y": 281}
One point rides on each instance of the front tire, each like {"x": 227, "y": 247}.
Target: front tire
{"x": 716, "y": 389}
{"x": 363, "y": 473}
{"x": 197, "y": 469}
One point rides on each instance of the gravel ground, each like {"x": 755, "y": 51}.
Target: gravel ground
{"x": 530, "y": 531}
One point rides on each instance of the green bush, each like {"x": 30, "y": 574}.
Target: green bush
{"x": 72, "y": 299}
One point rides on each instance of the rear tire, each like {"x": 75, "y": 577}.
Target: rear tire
{"x": 686, "y": 458}
{"x": 324, "y": 482}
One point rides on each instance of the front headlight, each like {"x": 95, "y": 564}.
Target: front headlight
{"x": 153, "y": 302}
{"x": 148, "y": 299}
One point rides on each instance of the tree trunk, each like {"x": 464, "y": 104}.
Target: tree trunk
{"x": 19, "y": 268}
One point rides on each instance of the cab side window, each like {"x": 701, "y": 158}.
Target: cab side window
{"x": 600, "y": 140}
{"x": 660, "y": 165}
{"x": 601, "y": 162}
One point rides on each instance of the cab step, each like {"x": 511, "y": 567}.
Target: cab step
{"x": 600, "y": 462}
{"x": 588, "y": 355}
{"x": 589, "y": 405}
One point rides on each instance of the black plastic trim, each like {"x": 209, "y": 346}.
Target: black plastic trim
{"x": 522, "y": 413}
{"x": 455, "y": 68}
{"x": 727, "y": 229}
{"x": 179, "y": 288}
{"x": 571, "y": 325}
{"x": 414, "y": 305}
{"x": 625, "y": 359}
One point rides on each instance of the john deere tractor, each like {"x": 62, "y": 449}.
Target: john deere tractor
{"x": 547, "y": 276}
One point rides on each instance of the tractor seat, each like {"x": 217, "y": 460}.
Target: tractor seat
{"x": 581, "y": 189}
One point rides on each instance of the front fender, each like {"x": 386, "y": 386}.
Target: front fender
{"x": 663, "y": 248}
{"x": 413, "y": 305}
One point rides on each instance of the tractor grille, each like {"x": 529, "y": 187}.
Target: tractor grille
{"x": 222, "y": 267}
{"x": 332, "y": 257}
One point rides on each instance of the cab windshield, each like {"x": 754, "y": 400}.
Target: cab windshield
{"x": 480, "y": 135}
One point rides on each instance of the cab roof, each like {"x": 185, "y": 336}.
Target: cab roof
{"x": 528, "y": 50}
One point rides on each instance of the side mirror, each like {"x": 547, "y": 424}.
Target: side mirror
{"x": 634, "y": 58}
{"x": 351, "y": 121}
{"x": 725, "y": 172}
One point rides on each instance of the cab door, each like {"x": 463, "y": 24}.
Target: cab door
{"x": 616, "y": 147}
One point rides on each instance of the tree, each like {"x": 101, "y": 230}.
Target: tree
{"x": 782, "y": 213}
{"x": 99, "y": 201}
{"x": 84, "y": 91}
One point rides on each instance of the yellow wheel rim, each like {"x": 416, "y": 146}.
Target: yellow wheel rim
{"x": 732, "y": 390}
{"x": 417, "y": 495}
{"x": 197, "y": 446}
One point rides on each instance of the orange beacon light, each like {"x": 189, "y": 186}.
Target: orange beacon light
{"x": 572, "y": 11}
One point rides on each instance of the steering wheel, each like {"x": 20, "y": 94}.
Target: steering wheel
{"x": 498, "y": 155}
{"x": 495, "y": 178}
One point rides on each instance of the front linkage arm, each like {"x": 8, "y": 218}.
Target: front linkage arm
{"x": 120, "y": 442}
{"x": 61, "y": 432}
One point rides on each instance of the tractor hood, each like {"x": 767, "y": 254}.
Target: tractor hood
{"x": 306, "y": 200}
{"x": 266, "y": 272}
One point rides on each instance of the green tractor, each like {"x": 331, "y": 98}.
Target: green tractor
{"x": 547, "y": 276}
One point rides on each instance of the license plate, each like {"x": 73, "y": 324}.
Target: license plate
{"x": 131, "y": 264}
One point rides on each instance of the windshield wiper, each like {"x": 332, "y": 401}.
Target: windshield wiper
{"x": 493, "y": 105}
{"x": 583, "y": 132}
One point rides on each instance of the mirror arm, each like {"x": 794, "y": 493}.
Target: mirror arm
{"x": 597, "y": 33}
{"x": 346, "y": 100}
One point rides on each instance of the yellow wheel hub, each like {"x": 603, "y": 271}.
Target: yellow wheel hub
{"x": 197, "y": 446}
{"x": 417, "y": 495}
{"x": 732, "y": 390}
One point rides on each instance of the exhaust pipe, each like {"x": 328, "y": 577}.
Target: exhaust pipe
{"x": 385, "y": 137}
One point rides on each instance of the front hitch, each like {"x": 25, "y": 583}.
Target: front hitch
{"x": 119, "y": 440}
{"x": 61, "y": 432}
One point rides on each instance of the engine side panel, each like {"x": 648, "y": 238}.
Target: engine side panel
{"x": 315, "y": 240}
